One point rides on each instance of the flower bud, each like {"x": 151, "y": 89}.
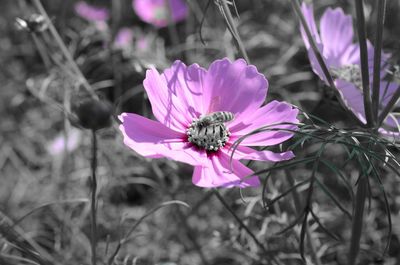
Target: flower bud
{"x": 35, "y": 23}
{"x": 93, "y": 114}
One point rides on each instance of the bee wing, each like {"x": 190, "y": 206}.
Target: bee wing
{"x": 214, "y": 104}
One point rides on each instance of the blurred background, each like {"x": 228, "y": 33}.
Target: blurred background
{"x": 45, "y": 160}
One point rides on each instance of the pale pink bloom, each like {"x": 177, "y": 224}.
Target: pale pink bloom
{"x": 56, "y": 146}
{"x": 182, "y": 94}
{"x": 160, "y": 12}
{"x": 124, "y": 38}
{"x": 335, "y": 43}
{"x": 142, "y": 43}
{"x": 101, "y": 25}
{"x": 91, "y": 13}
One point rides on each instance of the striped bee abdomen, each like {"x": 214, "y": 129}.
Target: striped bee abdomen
{"x": 209, "y": 131}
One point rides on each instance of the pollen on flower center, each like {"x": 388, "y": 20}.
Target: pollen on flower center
{"x": 209, "y": 132}
{"x": 161, "y": 13}
{"x": 350, "y": 73}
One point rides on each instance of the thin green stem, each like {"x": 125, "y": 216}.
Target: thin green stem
{"x": 298, "y": 206}
{"x": 190, "y": 234}
{"x": 242, "y": 225}
{"x": 93, "y": 219}
{"x": 381, "y": 6}
{"x": 64, "y": 49}
{"x": 233, "y": 29}
{"x": 357, "y": 224}
{"x": 362, "y": 38}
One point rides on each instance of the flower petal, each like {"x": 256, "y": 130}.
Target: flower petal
{"x": 336, "y": 32}
{"x": 91, "y": 13}
{"x": 152, "y": 139}
{"x": 274, "y": 115}
{"x": 352, "y": 97}
{"x": 187, "y": 83}
{"x": 166, "y": 107}
{"x": 386, "y": 92}
{"x": 235, "y": 87}
{"x": 124, "y": 38}
{"x": 308, "y": 12}
{"x": 157, "y": 12}
{"x": 243, "y": 152}
{"x": 219, "y": 172}
{"x": 59, "y": 144}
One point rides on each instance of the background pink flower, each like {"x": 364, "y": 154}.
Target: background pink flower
{"x": 91, "y": 13}
{"x": 56, "y": 147}
{"x": 124, "y": 38}
{"x": 183, "y": 93}
{"x": 335, "y": 43}
{"x": 160, "y": 12}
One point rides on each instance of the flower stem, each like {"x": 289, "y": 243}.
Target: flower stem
{"x": 40, "y": 48}
{"x": 232, "y": 28}
{"x": 381, "y": 6}
{"x": 362, "y": 38}
{"x": 64, "y": 49}
{"x": 298, "y": 205}
{"x": 357, "y": 224}
{"x": 93, "y": 241}
{"x": 116, "y": 9}
{"x": 242, "y": 225}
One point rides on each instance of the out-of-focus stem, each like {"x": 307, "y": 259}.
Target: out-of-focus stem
{"x": 116, "y": 9}
{"x": 64, "y": 49}
{"x": 173, "y": 33}
{"x": 232, "y": 27}
{"x": 41, "y": 51}
{"x": 93, "y": 199}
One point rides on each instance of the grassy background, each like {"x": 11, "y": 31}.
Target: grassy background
{"x": 130, "y": 185}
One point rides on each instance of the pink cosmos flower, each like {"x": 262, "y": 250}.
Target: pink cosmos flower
{"x": 143, "y": 43}
{"x": 56, "y": 146}
{"x": 124, "y": 38}
{"x": 160, "y": 12}
{"x": 200, "y": 113}
{"x": 342, "y": 56}
{"x": 91, "y": 13}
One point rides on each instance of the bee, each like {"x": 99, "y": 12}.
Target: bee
{"x": 215, "y": 118}
{"x": 209, "y": 131}
{"x": 34, "y": 23}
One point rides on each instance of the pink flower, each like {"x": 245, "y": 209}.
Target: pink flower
{"x": 160, "y": 12}
{"x": 56, "y": 146}
{"x": 124, "y": 38}
{"x": 183, "y": 99}
{"x": 143, "y": 43}
{"x": 342, "y": 56}
{"x": 91, "y": 13}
